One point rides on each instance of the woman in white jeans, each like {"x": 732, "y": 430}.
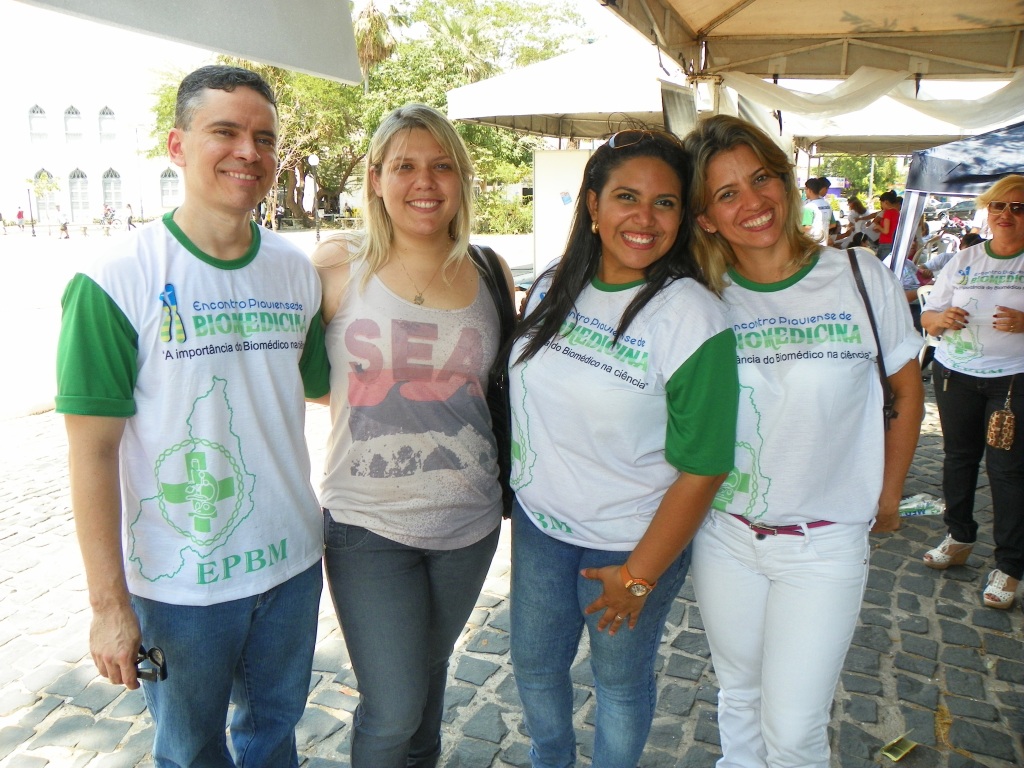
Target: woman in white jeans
{"x": 780, "y": 564}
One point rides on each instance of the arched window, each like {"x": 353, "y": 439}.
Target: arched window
{"x": 46, "y": 196}
{"x": 108, "y": 127}
{"x": 112, "y": 188}
{"x": 37, "y": 124}
{"x": 169, "y": 194}
{"x": 78, "y": 188}
{"x": 72, "y": 125}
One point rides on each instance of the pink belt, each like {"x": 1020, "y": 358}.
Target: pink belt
{"x": 774, "y": 530}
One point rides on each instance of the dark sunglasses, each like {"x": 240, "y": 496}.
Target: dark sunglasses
{"x": 158, "y": 664}
{"x": 998, "y": 206}
{"x": 631, "y": 136}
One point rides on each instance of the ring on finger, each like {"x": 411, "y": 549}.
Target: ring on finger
{"x": 619, "y": 617}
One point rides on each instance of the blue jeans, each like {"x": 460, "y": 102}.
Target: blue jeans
{"x": 547, "y": 620}
{"x": 401, "y": 610}
{"x": 256, "y": 652}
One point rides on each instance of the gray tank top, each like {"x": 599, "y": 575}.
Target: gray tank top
{"x": 411, "y": 454}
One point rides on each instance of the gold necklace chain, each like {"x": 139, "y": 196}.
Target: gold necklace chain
{"x": 418, "y": 298}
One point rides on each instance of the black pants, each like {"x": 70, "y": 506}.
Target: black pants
{"x": 965, "y": 405}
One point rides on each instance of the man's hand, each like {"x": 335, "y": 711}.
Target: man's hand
{"x": 114, "y": 641}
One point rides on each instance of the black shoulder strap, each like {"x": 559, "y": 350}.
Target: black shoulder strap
{"x": 494, "y": 277}
{"x": 887, "y": 392}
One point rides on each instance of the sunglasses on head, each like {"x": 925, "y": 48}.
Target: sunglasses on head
{"x": 631, "y": 136}
{"x": 998, "y": 206}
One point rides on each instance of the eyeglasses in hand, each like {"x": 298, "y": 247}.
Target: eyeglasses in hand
{"x": 157, "y": 669}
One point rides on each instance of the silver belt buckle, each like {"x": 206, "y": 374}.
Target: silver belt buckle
{"x": 767, "y": 530}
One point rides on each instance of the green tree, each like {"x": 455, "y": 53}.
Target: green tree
{"x": 501, "y": 33}
{"x": 43, "y": 184}
{"x": 857, "y": 170}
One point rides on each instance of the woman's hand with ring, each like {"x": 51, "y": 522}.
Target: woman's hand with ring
{"x": 1008, "y": 320}
{"x": 621, "y": 608}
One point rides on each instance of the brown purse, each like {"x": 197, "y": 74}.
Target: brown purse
{"x": 1001, "y": 424}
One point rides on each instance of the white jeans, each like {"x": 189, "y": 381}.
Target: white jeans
{"x": 779, "y": 612}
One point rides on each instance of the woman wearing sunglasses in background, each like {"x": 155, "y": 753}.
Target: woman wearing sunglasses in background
{"x": 977, "y": 308}
{"x": 624, "y": 393}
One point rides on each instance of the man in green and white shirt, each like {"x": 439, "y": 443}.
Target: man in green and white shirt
{"x": 184, "y": 359}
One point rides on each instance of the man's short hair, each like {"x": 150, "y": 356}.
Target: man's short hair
{"x": 217, "y": 77}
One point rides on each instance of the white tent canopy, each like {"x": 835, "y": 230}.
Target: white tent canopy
{"x": 940, "y": 39}
{"x": 871, "y": 112}
{"x": 588, "y": 93}
{"x": 312, "y": 36}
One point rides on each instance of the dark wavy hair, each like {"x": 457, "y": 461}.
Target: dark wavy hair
{"x": 579, "y": 262}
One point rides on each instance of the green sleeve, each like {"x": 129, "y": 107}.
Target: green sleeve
{"x": 808, "y": 217}
{"x": 703, "y": 398}
{"x": 97, "y": 354}
{"x": 313, "y": 365}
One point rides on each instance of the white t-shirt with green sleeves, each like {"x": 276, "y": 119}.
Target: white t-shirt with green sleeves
{"x": 810, "y": 436}
{"x": 979, "y": 281}
{"x": 599, "y": 432}
{"x": 209, "y": 362}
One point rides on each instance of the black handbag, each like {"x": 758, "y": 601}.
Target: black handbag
{"x": 489, "y": 266}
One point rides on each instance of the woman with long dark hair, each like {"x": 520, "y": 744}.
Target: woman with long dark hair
{"x": 623, "y": 389}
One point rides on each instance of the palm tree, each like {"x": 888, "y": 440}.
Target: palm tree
{"x": 469, "y": 38}
{"x": 374, "y": 41}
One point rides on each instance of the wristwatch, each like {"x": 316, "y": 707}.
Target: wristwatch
{"x": 637, "y": 587}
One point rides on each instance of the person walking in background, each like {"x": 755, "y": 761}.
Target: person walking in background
{"x": 886, "y": 223}
{"x": 780, "y": 565}
{"x": 21, "y": 219}
{"x": 824, "y": 207}
{"x": 811, "y": 220}
{"x": 129, "y": 217}
{"x": 411, "y": 497}
{"x": 623, "y": 390}
{"x": 187, "y": 445}
{"x": 62, "y": 221}
{"x": 977, "y": 310}
{"x": 817, "y": 213}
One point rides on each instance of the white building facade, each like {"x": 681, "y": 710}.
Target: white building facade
{"x": 94, "y": 152}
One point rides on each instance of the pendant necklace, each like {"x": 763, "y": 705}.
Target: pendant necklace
{"x": 418, "y": 298}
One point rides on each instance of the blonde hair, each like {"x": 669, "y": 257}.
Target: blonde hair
{"x": 1002, "y": 187}
{"x": 722, "y": 133}
{"x": 375, "y": 247}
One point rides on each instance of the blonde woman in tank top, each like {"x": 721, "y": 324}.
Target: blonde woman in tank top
{"x": 411, "y": 498}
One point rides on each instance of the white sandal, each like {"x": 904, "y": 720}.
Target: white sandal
{"x": 949, "y": 552}
{"x": 1000, "y": 590}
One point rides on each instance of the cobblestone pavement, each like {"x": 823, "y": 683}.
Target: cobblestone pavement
{"x": 927, "y": 660}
